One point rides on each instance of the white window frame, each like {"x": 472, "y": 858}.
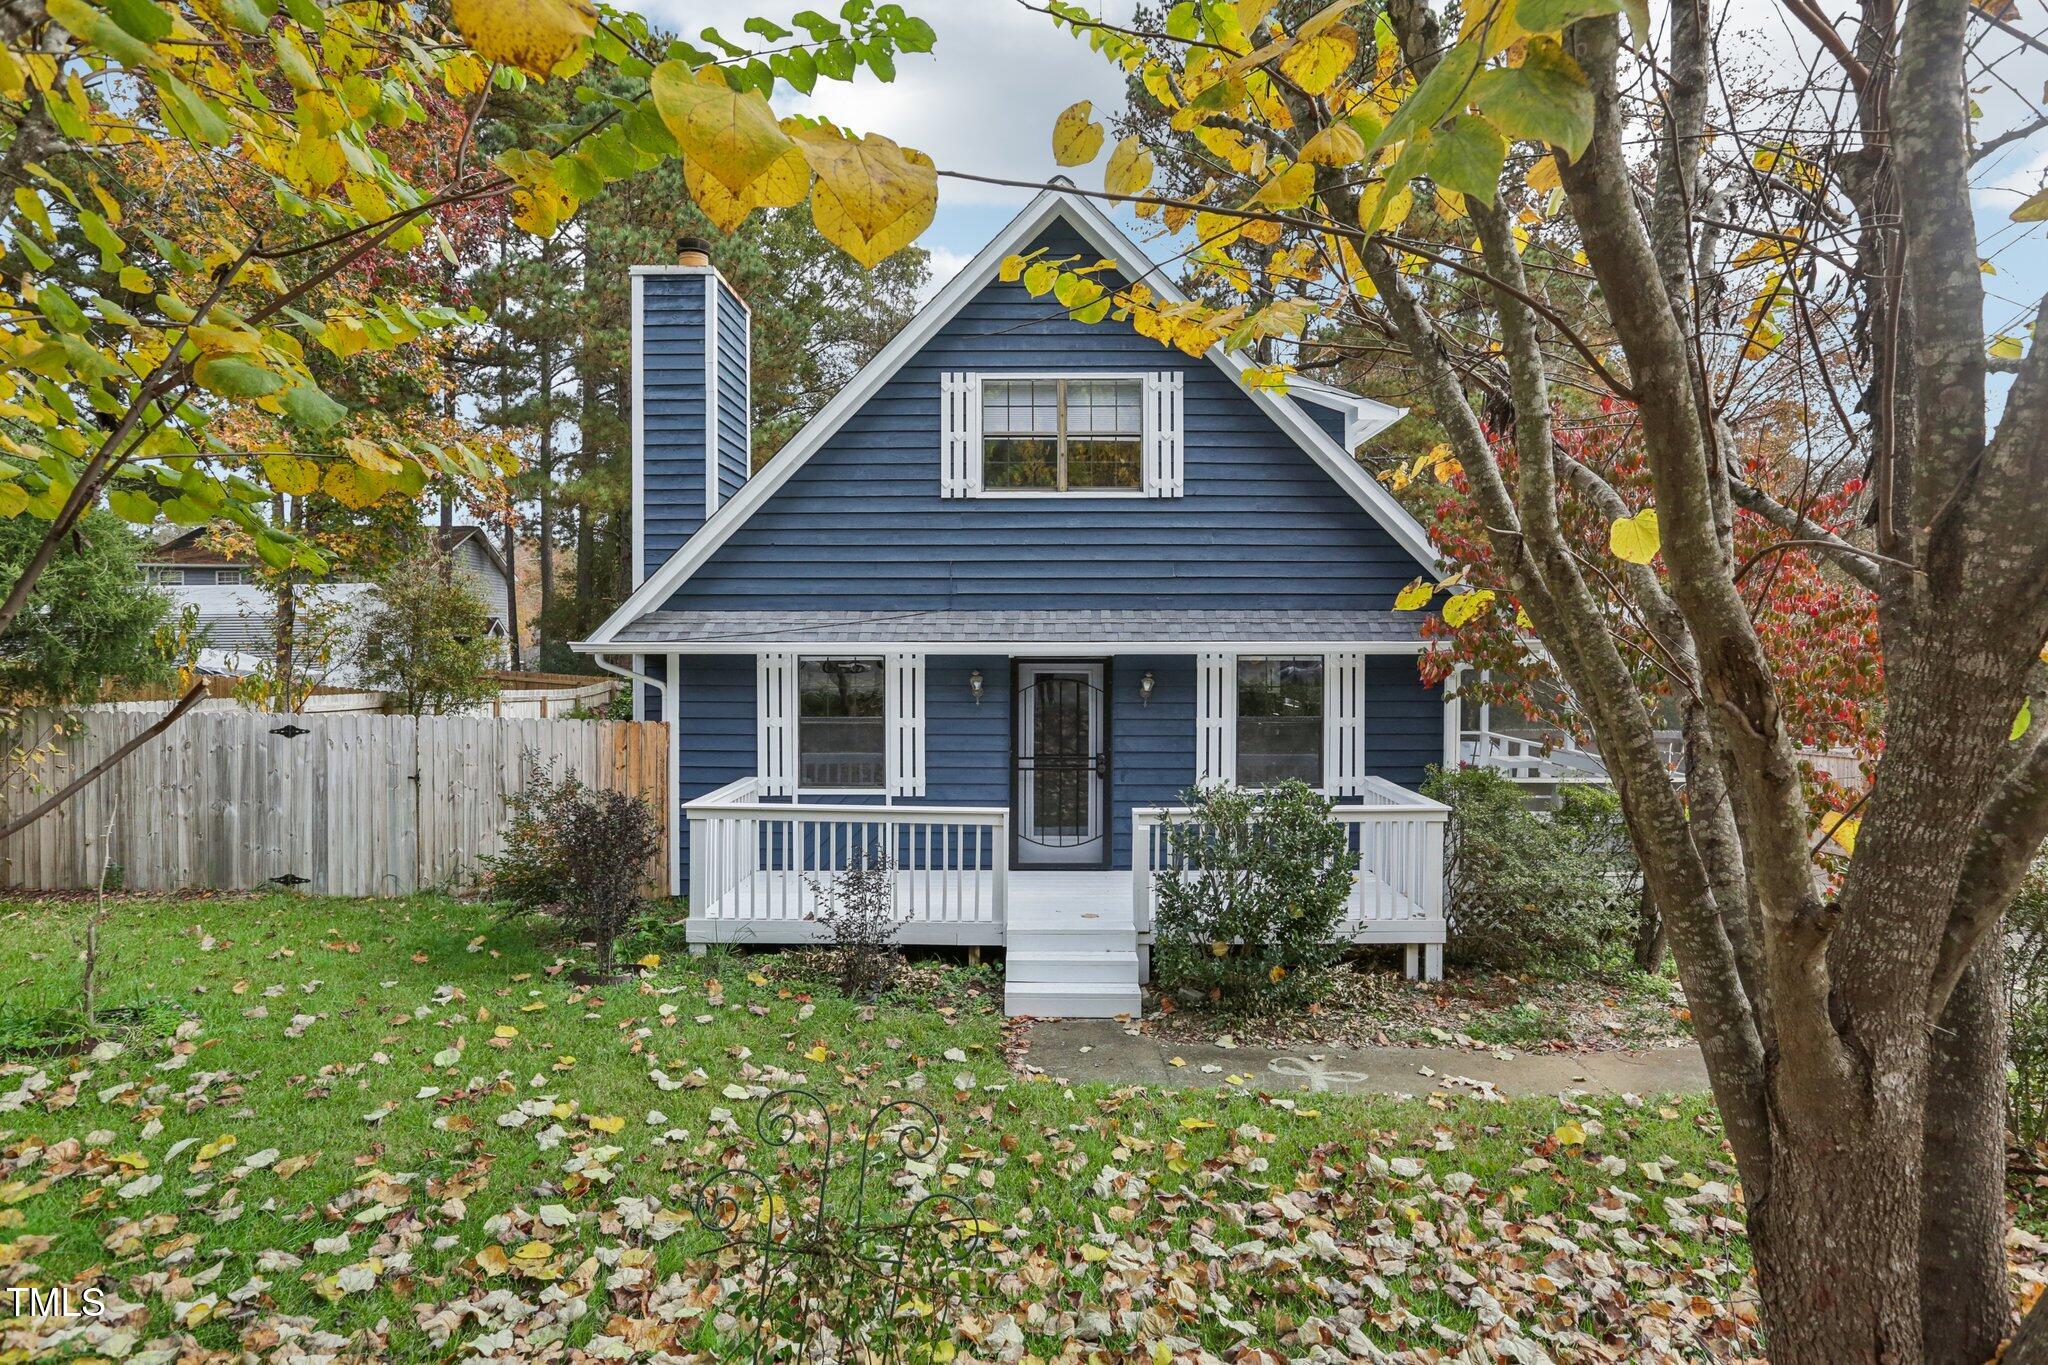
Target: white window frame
{"x": 1161, "y": 434}
{"x": 1344, "y": 704}
{"x": 796, "y": 722}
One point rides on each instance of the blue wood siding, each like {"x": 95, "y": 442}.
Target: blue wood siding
{"x": 1404, "y": 721}
{"x": 1152, "y": 745}
{"x": 1324, "y": 416}
{"x": 718, "y": 742}
{"x": 861, "y": 525}
{"x": 734, "y": 438}
{"x": 672, "y": 410}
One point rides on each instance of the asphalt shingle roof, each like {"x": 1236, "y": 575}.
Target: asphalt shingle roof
{"x": 1150, "y": 625}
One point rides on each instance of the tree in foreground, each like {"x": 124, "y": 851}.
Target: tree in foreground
{"x": 425, "y": 639}
{"x": 1534, "y": 205}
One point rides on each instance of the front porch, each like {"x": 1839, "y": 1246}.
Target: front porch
{"x": 1078, "y": 942}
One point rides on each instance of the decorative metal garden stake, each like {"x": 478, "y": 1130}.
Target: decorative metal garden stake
{"x": 846, "y": 1256}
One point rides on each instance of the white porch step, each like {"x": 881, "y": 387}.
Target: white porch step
{"x": 1072, "y": 999}
{"x": 1107, "y": 966}
{"x": 1053, "y": 940}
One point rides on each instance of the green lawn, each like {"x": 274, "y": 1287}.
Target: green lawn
{"x": 401, "y": 1122}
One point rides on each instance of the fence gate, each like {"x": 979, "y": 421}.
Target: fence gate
{"x": 345, "y": 805}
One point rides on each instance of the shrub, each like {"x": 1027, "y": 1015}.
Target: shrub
{"x": 579, "y": 854}
{"x": 426, "y": 639}
{"x": 857, "y": 908}
{"x": 2026, "y": 1002}
{"x": 1530, "y": 891}
{"x": 1251, "y": 892}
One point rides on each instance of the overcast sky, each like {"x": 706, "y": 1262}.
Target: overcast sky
{"x": 986, "y": 99}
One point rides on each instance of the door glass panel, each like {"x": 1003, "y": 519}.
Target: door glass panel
{"x": 1064, "y": 761}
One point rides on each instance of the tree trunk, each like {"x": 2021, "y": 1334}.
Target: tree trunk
{"x": 1966, "y": 1308}
{"x": 1836, "y": 1241}
{"x": 512, "y": 593}
{"x": 1649, "y": 948}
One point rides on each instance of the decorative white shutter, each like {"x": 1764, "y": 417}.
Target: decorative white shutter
{"x": 1344, "y": 724}
{"x": 1165, "y": 435}
{"x": 959, "y": 434}
{"x": 1215, "y": 719}
{"x": 905, "y": 693}
{"x": 775, "y": 708}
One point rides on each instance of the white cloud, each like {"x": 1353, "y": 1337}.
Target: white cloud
{"x": 945, "y": 264}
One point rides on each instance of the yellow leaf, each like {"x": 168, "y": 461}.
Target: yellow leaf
{"x": 1130, "y": 168}
{"x": 291, "y": 474}
{"x": 1841, "y": 828}
{"x": 2004, "y": 347}
{"x": 533, "y": 1251}
{"x": 1277, "y": 975}
{"x": 351, "y": 485}
{"x": 532, "y": 35}
{"x": 1467, "y": 606}
{"x": 818, "y": 1053}
{"x": 1219, "y": 949}
{"x": 650, "y": 962}
{"x": 1446, "y": 470}
{"x": 2034, "y": 210}
{"x": 1315, "y": 63}
{"x": 1635, "y": 539}
{"x": 1340, "y": 144}
{"x": 1093, "y": 1253}
{"x": 1076, "y": 137}
{"x": 208, "y": 1151}
{"x": 1569, "y": 1134}
{"x": 1414, "y": 597}
{"x": 873, "y": 197}
{"x": 504, "y": 1031}
{"x": 730, "y": 136}
{"x": 1195, "y": 1125}
{"x": 1543, "y": 177}
{"x": 606, "y": 1123}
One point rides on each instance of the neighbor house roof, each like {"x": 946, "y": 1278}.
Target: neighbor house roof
{"x": 197, "y": 547}
{"x": 1101, "y": 233}
{"x": 1133, "y": 630}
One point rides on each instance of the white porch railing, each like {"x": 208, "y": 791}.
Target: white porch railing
{"x": 1397, "y": 895}
{"x": 1524, "y": 759}
{"x": 755, "y": 865}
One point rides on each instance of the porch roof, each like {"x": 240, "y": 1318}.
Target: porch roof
{"x": 1135, "y": 630}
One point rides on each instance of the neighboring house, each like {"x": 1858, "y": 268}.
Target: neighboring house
{"x": 1014, "y": 590}
{"x": 239, "y": 618}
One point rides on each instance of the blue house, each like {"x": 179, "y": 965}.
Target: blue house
{"x": 999, "y": 605}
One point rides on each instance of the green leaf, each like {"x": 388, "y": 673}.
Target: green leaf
{"x": 184, "y": 511}
{"x": 142, "y": 18}
{"x": 1466, "y": 156}
{"x": 194, "y": 118}
{"x": 56, "y": 305}
{"x": 2022, "y": 722}
{"x": 103, "y": 33}
{"x": 233, "y": 377}
{"x": 1545, "y": 99}
{"x": 1554, "y": 16}
{"x": 1440, "y": 93}
{"x": 310, "y": 408}
{"x": 130, "y": 505}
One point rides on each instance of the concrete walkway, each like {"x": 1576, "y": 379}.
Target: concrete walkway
{"x": 1106, "y": 1050}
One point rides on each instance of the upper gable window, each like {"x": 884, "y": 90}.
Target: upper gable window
{"x": 1085, "y": 435}
{"x": 1062, "y": 435}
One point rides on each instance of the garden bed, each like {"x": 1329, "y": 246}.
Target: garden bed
{"x": 1370, "y": 1006}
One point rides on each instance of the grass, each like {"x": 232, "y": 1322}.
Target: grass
{"x": 363, "y": 1057}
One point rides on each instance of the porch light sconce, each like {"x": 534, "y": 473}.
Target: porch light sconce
{"x": 1145, "y": 688}
{"x": 974, "y": 685}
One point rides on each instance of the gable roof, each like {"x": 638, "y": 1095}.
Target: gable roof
{"x": 1111, "y": 242}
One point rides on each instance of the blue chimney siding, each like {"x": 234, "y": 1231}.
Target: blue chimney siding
{"x": 675, "y": 402}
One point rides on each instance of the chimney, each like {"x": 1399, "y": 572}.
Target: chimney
{"x": 692, "y": 413}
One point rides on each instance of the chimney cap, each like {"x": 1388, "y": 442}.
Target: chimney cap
{"x": 686, "y": 247}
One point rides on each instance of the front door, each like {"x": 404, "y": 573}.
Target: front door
{"x": 1061, "y": 789}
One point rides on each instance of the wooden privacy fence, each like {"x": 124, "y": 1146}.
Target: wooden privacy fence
{"x": 344, "y": 805}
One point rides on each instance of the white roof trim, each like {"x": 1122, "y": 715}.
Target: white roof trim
{"x": 1020, "y": 649}
{"x": 1111, "y": 242}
